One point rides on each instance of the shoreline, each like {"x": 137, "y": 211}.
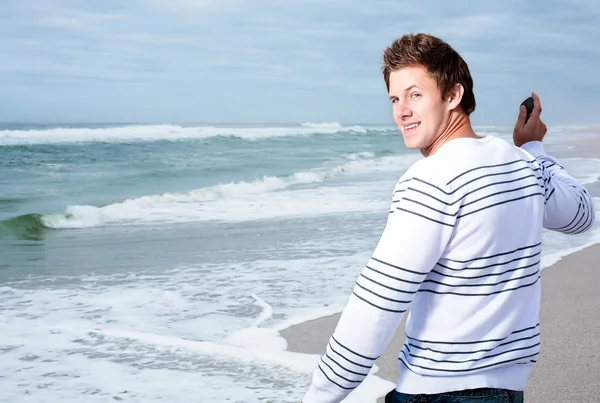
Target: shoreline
{"x": 569, "y": 366}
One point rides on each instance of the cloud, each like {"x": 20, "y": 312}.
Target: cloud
{"x": 237, "y": 60}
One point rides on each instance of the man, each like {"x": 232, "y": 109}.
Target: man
{"x": 461, "y": 247}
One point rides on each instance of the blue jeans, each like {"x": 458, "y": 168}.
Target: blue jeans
{"x": 483, "y": 395}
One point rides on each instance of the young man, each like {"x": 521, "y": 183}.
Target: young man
{"x": 461, "y": 247}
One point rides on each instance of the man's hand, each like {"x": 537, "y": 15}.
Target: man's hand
{"x": 534, "y": 129}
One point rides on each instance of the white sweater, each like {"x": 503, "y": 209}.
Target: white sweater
{"x": 461, "y": 249}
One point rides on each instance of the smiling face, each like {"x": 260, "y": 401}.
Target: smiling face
{"x": 419, "y": 110}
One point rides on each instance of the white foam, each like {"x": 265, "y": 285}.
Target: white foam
{"x": 180, "y": 332}
{"x": 267, "y": 310}
{"x": 358, "y": 156}
{"x": 255, "y": 337}
{"x": 333, "y": 126}
{"x": 269, "y": 197}
{"x": 76, "y": 217}
{"x": 117, "y": 333}
{"x": 163, "y": 132}
{"x": 250, "y": 207}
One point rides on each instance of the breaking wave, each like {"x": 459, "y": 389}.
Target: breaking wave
{"x": 166, "y": 132}
{"x": 260, "y": 198}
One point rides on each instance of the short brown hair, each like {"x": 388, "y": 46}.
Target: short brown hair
{"x": 438, "y": 58}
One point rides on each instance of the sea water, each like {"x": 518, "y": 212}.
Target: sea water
{"x": 159, "y": 263}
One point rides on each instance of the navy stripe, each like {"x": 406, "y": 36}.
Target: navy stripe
{"x": 468, "y": 193}
{"x": 398, "y": 267}
{"x": 474, "y": 359}
{"x": 573, "y": 224}
{"x": 330, "y": 380}
{"x": 572, "y": 221}
{"x": 476, "y": 351}
{"x": 349, "y": 360}
{"x": 548, "y": 165}
{"x": 377, "y": 306}
{"x": 588, "y": 225}
{"x": 353, "y": 352}
{"x": 490, "y": 175}
{"x": 467, "y": 369}
{"x": 339, "y": 376}
{"x": 590, "y": 218}
{"x": 489, "y": 166}
{"x": 473, "y": 342}
{"x": 589, "y": 214}
{"x": 550, "y": 195}
{"x": 497, "y": 254}
{"x": 432, "y": 185}
{"x": 385, "y": 286}
{"x": 424, "y": 216}
{"x": 499, "y": 193}
{"x": 579, "y": 223}
{"x": 583, "y": 213}
{"x": 499, "y": 183}
{"x": 479, "y": 294}
{"x": 489, "y": 265}
{"x": 381, "y": 296}
{"x": 345, "y": 369}
{"x": 423, "y": 193}
{"x": 485, "y": 275}
{"x": 395, "y": 278}
{"x": 482, "y": 285}
{"x": 499, "y": 203}
{"x": 403, "y": 181}
{"x": 429, "y": 207}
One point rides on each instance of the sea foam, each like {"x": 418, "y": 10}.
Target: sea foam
{"x": 165, "y": 132}
{"x": 268, "y": 197}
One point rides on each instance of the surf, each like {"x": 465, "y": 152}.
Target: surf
{"x": 261, "y": 198}
{"x": 140, "y": 133}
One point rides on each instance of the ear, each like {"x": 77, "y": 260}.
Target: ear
{"x": 454, "y": 97}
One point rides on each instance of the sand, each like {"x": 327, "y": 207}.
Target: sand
{"x": 569, "y": 366}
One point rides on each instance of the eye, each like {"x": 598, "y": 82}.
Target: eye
{"x": 394, "y": 100}
{"x": 415, "y": 95}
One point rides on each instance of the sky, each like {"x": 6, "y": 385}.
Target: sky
{"x": 284, "y": 61}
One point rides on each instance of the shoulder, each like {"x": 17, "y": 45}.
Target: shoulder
{"x": 455, "y": 159}
{"x": 460, "y": 156}
{"x": 422, "y": 179}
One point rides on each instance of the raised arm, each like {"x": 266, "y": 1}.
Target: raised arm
{"x": 569, "y": 207}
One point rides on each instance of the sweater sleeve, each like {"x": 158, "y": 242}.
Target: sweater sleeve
{"x": 419, "y": 226}
{"x": 569, "y": 207}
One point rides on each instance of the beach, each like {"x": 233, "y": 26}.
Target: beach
{"x": 162, "y": 262}
{"x": 569, "y": 366}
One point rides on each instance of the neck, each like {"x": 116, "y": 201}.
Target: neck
{"x": 458, "y": 126}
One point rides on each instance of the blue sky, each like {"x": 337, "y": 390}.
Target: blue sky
{"x": 236, "y": 61}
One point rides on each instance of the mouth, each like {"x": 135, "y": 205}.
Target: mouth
{"x": 411, "y": 126}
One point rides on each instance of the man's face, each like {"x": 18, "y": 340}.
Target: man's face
{"x": 419, "y": 110}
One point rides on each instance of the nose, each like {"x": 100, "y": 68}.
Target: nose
{"x": 402, "y": 111}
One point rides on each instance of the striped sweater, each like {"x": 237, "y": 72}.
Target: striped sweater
{"x": 461, "y": 249}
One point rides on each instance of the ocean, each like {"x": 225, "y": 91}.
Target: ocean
{"x": 159, "y": 262}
